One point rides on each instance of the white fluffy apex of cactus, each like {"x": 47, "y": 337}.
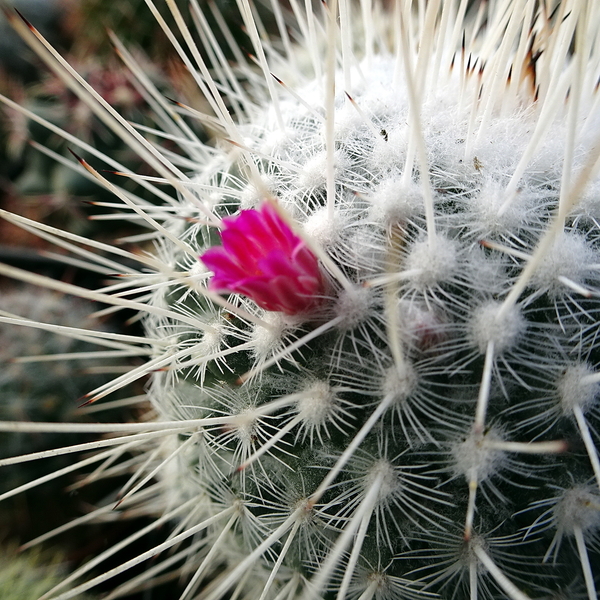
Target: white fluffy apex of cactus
{"x": 384, "y": 384}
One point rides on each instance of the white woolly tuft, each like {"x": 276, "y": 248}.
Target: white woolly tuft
{"x": 477, "y": 458}
{"x": 400, "y": 382}
{"x": 395, "y": 202}
{"x": 491, "y": 324}
{"x": 268, "y": 336}
{"x": 433, "y": 262}
{"x": 317, "y": 405}
{"x": 577, "y": 508}
{"x": 569, "y": 257}
{"x": 323, "y": 229}
{"x": 353, "y": 306}
{"x": 576, "y": 389}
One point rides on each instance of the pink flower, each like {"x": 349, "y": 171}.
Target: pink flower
{"x": 262, "y": 258}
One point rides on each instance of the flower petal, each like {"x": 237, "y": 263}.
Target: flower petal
{"x": 262, "y": 258}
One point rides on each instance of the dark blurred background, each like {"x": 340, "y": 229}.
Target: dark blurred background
{"x": 37, "y": 186}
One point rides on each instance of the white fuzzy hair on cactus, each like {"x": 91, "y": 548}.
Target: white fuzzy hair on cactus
{"x": 372, "y": 309}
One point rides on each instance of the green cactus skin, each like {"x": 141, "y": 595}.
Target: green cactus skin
{"x": 29, "y": 575}
{"x": 430, "y": 428}
{"x": 34, "y": 389}
{"x": 42, "y": 377}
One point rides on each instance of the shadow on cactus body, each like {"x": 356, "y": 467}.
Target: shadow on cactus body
{"x": 398, "y": 399}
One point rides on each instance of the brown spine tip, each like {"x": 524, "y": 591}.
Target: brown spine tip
{"x": 87, "y": 402}
{"x": 26, "y": 21}
{"x": 79, "y": 159}
{"x": 176, "y": 102}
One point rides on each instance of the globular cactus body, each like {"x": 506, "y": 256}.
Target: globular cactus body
{"x": 29, "y": 576}
{"x": 374, "y": 317}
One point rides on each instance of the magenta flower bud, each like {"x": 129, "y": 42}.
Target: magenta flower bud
{"x": 262, "y": 258}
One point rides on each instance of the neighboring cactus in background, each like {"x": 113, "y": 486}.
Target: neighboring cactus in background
{"x": 388, "y": 386}
{"x": 27, "y": 576}
{"x": 42, "y": 183}
{"x": 43, "y": 375}
{"x": 41, "y": 387}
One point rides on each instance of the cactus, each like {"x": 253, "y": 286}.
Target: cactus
{"x": 28, "y": 576}
{"x": 38, "y": 383}
{"x": 372, "y": 307}
{"x": 35, "y": 388}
